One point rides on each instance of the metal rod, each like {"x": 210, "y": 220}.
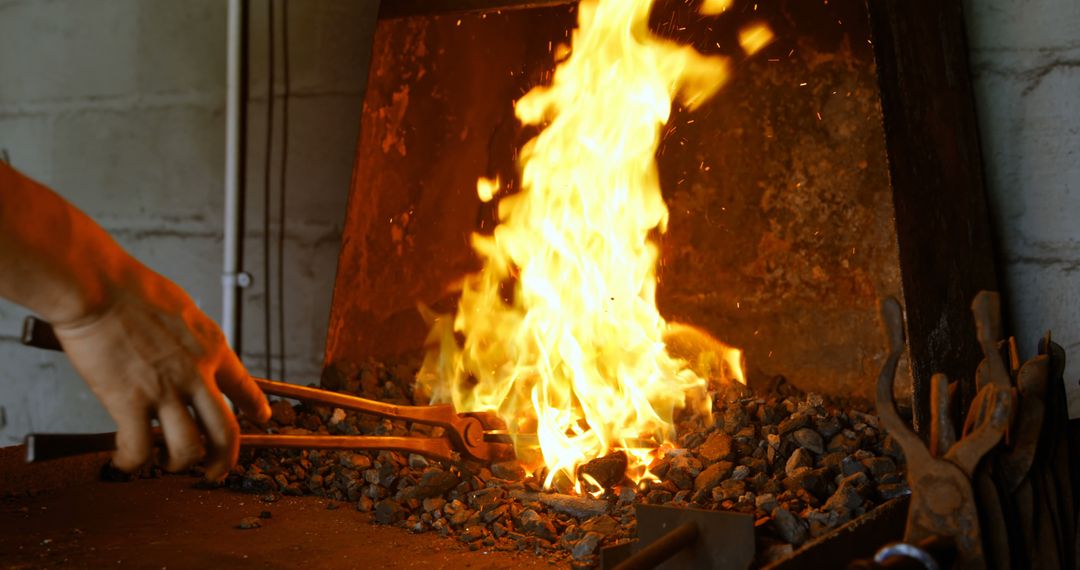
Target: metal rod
{"x": 662, "y": 549}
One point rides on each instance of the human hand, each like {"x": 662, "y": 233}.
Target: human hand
{"x": 148, "y": 352}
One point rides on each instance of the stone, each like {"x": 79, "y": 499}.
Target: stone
{"x": 532, "y": 523}
{"x": 716, "y": 447}
{"x": 389, "y": 511}
{"x": 627, "y": 495}
{"x": 417, "y": 461}
{"x": 741, "y": 472}
{"x": 579, "y": 507}
{"x": 509, "y": 470}
{"x": 337, "y": 416}
{"x": 788, "y": 526}
{"x": 807, "y": 438}
{"x": 893, "y": 491}
{"x": 713, "y": 475}
{"x": 603, "y": 524}
{"x": 766, "y": 502}
{"x": 247, "y": 523}
{"x": 879, "y": 466}
{"x": 814, "y": 481}
{"x": 461, "y": 517}
{"x": 794, "y": 422}
{"x": 682, "y": 471}
{"x": 365, "y": 504}
{"x": 586, "y": 546}
{"x": 472, "y": 534}
{"x": 606, "y": 471}
{"x": 799, "y": 459}
{"x": 266, "y": 515}
{"x": 282, "y": 412}
{"x": 433, "y": 504}
{"x": 433, "y": 483}
{"x": 846, "y": 496}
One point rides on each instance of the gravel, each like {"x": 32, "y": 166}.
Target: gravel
{"x": 800, "y": 464}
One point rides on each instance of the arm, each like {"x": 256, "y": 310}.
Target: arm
{"x": 137, "y": 339}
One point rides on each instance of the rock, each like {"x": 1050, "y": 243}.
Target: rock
{"x": 389, "y": 511}
{"x": 579, "y": 507}
{"x": 729, "y": 490}
{"x": 879, "y": 466}
{"x": 713, "y": 475}
{"x": 586, "y": 546}
{"x": 433, "y": 483}
{"x": 472, "y": 534}
{"x": 495, "y": 513}
{"x": 766, "y": 502}
{"x": 417, "y": 461}
{"x": 846, "y": 441}
{"x": 265, "y": 515}
{"x": 807, "y": 438}
{"x": 433, "y": 504}
{"x": 741, "y": 472}
{"x": 282, "y": 412}
{"x": 603, "y": 524}
{"x": 828, "y": 426}
{"x": 247, "y": 523}
{"x": 337, "y": 417}
{"x": 509, "y": 470}
{"x": 788, "y": 527}
{"x": 794, "y": 422}
{"x": 606, "y": 471}
{"x": 846, "y": 496}
{"x": 716, "y": 447}
{"x": 486, "y": 498}
{"x": 365, "y": 504}
{"x": 532, "y": 523}
{"x": 814, "y": 481}
{"x": 627, "y": 495}
{"x": 799, "y": 459}
{"x": 682, "y": 471}
{"x": 461, "y": 517}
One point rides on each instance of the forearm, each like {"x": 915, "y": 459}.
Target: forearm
{"x": 54, "y": 260}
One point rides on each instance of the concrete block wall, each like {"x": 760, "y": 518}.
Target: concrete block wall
{"x": 1025, "y": 57}
{"x": 119, "y": 106}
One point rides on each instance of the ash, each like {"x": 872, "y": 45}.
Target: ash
{"x": 801, "y": 464}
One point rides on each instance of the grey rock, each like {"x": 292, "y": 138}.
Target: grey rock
{"x": 807, "y": 438}
{"x": 579, "y": 507}
{"x": 788, "y": 526}
{"x": 389, "y": 511}
{"x": 586, "y": 546}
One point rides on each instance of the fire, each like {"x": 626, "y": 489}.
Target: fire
{"x": 561, "y": 333}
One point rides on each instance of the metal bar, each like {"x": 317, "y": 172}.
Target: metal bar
{"x": 662, "y": 549}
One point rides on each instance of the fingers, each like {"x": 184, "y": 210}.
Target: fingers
{"x": 222, "y": 432}
{"x": 234, "y": 381}
{"x": 133, "y": 438}
{"x": 181, "y": 435}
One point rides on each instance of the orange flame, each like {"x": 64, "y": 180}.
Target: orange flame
{"x": 562, "y": 336}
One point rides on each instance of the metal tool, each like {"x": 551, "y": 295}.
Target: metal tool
{"x": 674, "y": 537}
{"x": 943, "y": 502}
{"x": 479, "y": 436}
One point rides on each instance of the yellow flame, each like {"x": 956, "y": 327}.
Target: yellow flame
{"x": 714, "y": 7}
{"x": 754, "y": 37}
{"x": 561, "y": 332}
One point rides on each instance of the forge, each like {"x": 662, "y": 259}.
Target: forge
{"x": 836, "y": 167}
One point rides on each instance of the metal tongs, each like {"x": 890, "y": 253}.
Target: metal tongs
{"x": 479, "y": 436}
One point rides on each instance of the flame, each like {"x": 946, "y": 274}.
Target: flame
{"x": 562, "y": 336}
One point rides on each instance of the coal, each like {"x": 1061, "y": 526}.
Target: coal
{"x": 606, "y": 471}
{"x": 800, "y": 464}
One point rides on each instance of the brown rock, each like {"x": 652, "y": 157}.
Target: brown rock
{"x": 606, "y": 471}
{"x": 509, "y": 470}
{"x": 249, "y": 523}
{"x": 713, "y": 475}
{"x": 716, "y": 447}
{"x": 282, "y": 412}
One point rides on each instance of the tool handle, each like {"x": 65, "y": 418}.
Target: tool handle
{"x": 40, "y": 334}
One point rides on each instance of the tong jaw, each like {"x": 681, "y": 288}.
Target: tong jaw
{"x": 942, "y": 500}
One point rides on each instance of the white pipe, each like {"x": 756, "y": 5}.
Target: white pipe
{"x": 233, "y": 120}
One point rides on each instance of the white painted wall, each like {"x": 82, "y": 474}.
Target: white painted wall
{"x": 1025, "y": 56}
{"x": 119, "y": 106}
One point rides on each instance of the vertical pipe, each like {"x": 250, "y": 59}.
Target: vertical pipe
{"x": 235, "y": 143}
